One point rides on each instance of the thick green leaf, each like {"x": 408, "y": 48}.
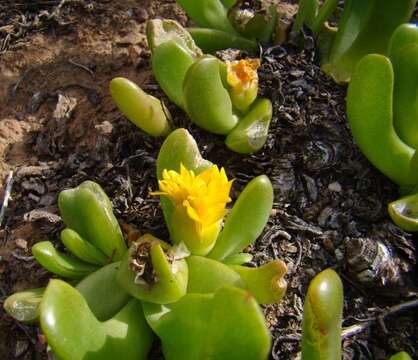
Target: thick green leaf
{"x": 162, "y": 31}
{"x": 404, "y": 57}
{"x": 401, "y": 356}
{"x": 24, "y": 306}
{"x": 352, "y": 20}
{"x": 151, "y": 272}
{"x": 82, "y": 248}
{"x": 251, "y": 132}
{"x": 178, "y": 148}
{"x": 102, "y": 292}
{"x": 307, "y": 12}
{"x": 404, "y": 35}
{"x": 322, "y": 317}
{"x": 212, "y": 40}
{"x": 209, "y": 13}
{"x": 207, "y": 275}
{"x": 238, "y": 259}
{"x": 322, "y": 16}
{"x": 373, "y": 28}
{"x": 144, "y": 110}
{"x": 59, "y": 263}
{"x": 87, "y": 210}
{"x": 207, "y": 101}
{"x": 266, "y": 282}
{"x": 404, "y": 212}
{"x": 74, "y": 333}
{"x": 259, "y": 24}
{"x": 170, "y": 63}
{"x": 226, "y": 325}
{"x": 246, "y": 220}
{"x": 369, "y": 110}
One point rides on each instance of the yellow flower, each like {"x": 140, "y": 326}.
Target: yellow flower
{"x": 242, "y": 77}
{"x": 243, "y": 73}
{"x": 200, "y": 205}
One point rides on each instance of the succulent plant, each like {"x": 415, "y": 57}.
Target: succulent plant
{"x": 365, "y": 27}
{"x": 382, "y": 113}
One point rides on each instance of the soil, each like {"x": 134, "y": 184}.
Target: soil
{"x": 59, "y": 126}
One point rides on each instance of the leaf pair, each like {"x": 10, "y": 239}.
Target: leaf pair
{"x": 93, "y": 234}
{"x": 95, "y": 320}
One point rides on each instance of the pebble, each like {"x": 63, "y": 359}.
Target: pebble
{"x": 335, "y": 187}
{"x": 21, "y": 243}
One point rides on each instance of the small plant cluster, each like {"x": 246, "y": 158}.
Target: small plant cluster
{"x": 218, "y": 97}
{"x": 195, "y": 294}
{"x": 196, "y": 291}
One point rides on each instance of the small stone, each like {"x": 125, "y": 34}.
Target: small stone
{"x": 33, "y": 197}
{"x": 310, "y": 272}
{"x": 41, "y": 214}
{"x": 105, "y": 127}
{"x": 34, "y": 185}
{"x": 297, "y": 73}
{"x": 47, "y": 200}
{"x": 329, "y": 245}
{"x": 335, "y": 187}
{"x": 21, "y": 243}
{"x": 21, "y": 347}
{"x": 339, "y": 255}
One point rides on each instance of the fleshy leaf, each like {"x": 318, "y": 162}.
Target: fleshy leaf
{"x": 207, "y": 275}
{"x": 366, "y": 27}
{"x": 322, "y": 317}
{"x": 144, "y": 110}
{"x": 162, "y": 31}
{"x": 401, "y": 356}
{"x": 208, "y": 13}
{"x": 238, "y": 259}
{"x": 151, "y": 272}
{"x": 369, "y": 111}
{"x": 74, "y": 333}
{"x": 266, "y": 282}
{"x": 251, "y": 132}
{"x": 404, "y": 212}
{"x": 246, "y": 220}
{"x": 178, "y": 148}
{"x": 59, "y": 263}
{"x": 226, "y": 325}
{"x": 82, "y": 248}
{"x": 24, "y": 306}
{"x": 212, "y": 40}
{"x": 404, "y": 58}
{"x": 207, "y": 101}
{"x": 102, "y": 292}
{"x": 87, "y": 210}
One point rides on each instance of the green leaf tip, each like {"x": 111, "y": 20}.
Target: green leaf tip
{"x": 24, "y": 306}
{"x": 60, "y": 263}
{"x": 144, "y": 110}
{"x": 247, "y": 219}
{"x": 87, "y": 210}
{"x": 404, "y": 212}
{"x": 322, "y": 317}
{"x": 153, "y": 271}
